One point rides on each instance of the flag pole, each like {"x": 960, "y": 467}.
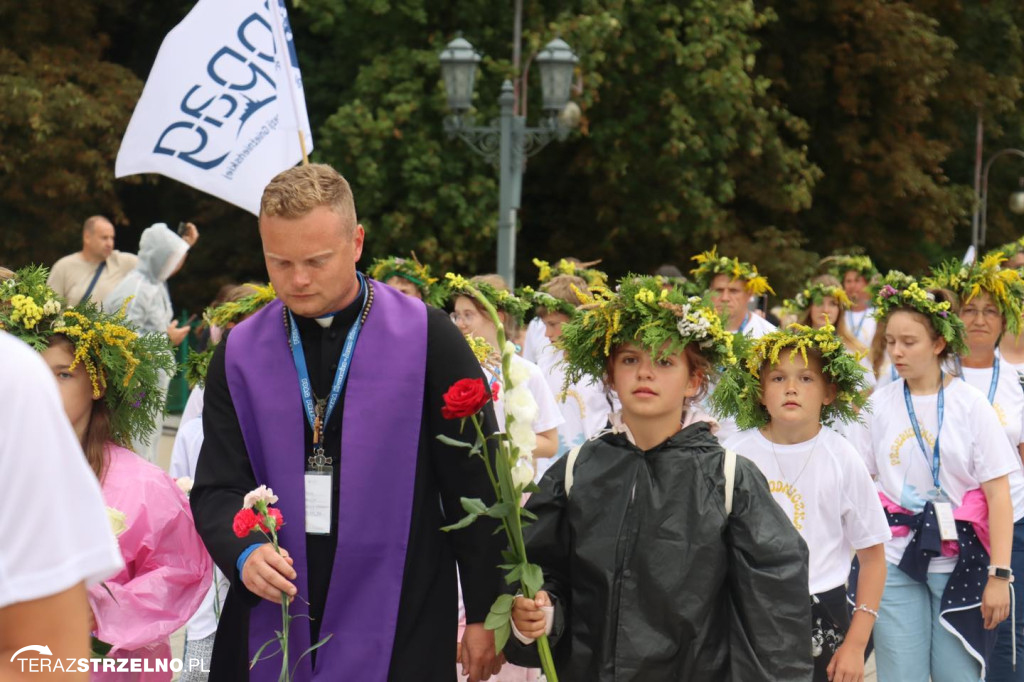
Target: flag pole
{"x": 282, "y": 47}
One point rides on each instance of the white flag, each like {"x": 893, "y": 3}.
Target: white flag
{"x": 223, "y": 105}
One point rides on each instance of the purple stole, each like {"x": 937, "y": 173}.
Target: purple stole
{"x": 383, "y": 410}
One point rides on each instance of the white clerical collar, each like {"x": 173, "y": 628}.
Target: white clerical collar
{"x": 325, "y": 321}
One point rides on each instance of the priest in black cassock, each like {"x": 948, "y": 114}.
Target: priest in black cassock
{"x": 331, "y": 396}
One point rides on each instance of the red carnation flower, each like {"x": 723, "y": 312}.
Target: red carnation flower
{"x": 245, "y": 522}
{"x": 466, "y": 397}
{"x": 275, "y": 514}
{"x": 495, "y": 391}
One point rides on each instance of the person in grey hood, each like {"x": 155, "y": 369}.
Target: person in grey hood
{"x": 162, "y": 252}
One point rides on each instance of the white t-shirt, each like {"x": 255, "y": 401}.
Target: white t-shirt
{"x": 57, "y": 532}
{"x": 832, "y": 500}
{"x": 862, "y": 324}
{"x": 536, "y": 341}
{"x": 756, "y": 326}
{"x": 184, "y": 456}
{"x": 583, "y": 405}
{"x": 548, "y": 414}
{"x": 973, "y": 450}
{"x": 1009, "y": 407}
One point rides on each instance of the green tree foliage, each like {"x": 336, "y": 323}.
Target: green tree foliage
{"x": 890, "y": 91}
{"x": 64, "y": 111}
{"x": 779, "y": 130}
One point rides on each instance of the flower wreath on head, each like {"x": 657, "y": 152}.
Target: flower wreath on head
{"x": 738, "y": 393}
{"x": 412, "y": 270}
{"x": 230, "y": 312}
{"x": 843, "y": 263}
{"x": 592, "y": 276}
{"x": 542, "y": 299}
{"x": 898, "y": 290}
{"x": 967, "y": 281}
{"x": 123, "y": 365}
{"x": 662, "y": 321}
{"x": 710, "y": 264}
{"x": 814, "y": 294}
{"x": 1009, "y": 250}
{"x": 502, "y": 300}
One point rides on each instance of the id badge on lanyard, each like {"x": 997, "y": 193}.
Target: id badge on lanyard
{"x": 319, "y": 480}
{"x": 941, "y": 502}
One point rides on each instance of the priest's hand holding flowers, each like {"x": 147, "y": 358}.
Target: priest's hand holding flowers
{"x": 511, "y": 474}
{"x": 256, "y": 515}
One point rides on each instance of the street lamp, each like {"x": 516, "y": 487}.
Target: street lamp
{"x": 980, "y": 219}
{"x": 507, "y": 140}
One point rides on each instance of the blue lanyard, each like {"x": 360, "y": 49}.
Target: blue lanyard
{"x": 856, "y": 331}
{"x": 917, "y": 427}
{"x": 995, "y": 378}
{"x": 743, "y": 324}
{"x": 339, "y": 376}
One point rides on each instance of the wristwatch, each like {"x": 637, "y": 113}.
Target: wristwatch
{"x": 1001, "y": 572}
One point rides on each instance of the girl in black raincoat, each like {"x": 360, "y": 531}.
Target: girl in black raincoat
{"x": 650, "y": 577}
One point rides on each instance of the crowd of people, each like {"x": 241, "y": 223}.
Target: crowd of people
{"x": 722, "y": 490}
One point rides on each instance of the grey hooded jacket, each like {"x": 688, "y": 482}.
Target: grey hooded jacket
{"x": 160, "y": 253}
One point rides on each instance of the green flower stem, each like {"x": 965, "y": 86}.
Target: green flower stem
{"x": 285, "y": 675}
{"x": 513, "y": 523}
{"x": 490, "y": 472}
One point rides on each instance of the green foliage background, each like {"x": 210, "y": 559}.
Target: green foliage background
{"x": 779, "y": 129}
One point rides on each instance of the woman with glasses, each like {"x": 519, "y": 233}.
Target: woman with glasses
{"x": 991, "y": 306}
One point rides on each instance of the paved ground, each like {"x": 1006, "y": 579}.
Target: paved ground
{"x": 164, "y": 460}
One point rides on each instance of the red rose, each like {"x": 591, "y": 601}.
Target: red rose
{"x": 465, "y": 397}
{"x": 275, "y": 514}
{"x": 245, "y": 522}
{"x": 495, "y": 391}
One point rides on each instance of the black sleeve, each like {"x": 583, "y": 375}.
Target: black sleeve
{"x": 477, "y": 548}
{"x": 223, "y": 473}
{"x": 548, "y": 544}
{"x": 767, "y": 577}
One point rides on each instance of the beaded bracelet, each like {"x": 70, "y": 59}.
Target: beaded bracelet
{"x": 866, "y": 609}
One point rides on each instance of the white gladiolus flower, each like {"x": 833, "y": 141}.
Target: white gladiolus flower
{"x": 522, "y": 436}
{"x": 518, "y": 373}
{"x": 51, "y": 307}
{"x": 520, "y": 404}
{"x": 261, "y": 493}
{"x": 522, "y": 474}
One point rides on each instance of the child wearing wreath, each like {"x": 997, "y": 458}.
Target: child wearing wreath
{"x": 107, "y": 374}
{"x": 584, "y": 404}
{"x": 410, "y": 277}
{"x": 664, "y": 559}
{"x": 784, "y": 395}
{"x": 941, "y": 462}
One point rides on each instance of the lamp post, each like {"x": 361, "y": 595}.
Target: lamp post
{"x": 507, "y": 140}
{"x": 979, "y": 222}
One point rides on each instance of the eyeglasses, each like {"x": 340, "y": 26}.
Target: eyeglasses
{"x": 988, "y": 312}
{"x": 467, "y": 317}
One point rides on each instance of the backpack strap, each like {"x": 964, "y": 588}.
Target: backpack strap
{"x": 570, "y": 462}
{"x": 729, "y": 468}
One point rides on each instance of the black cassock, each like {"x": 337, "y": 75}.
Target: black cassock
{"x": 425, "y": 637}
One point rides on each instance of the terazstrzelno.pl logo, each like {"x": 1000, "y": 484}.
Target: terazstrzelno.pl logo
{"x": 39, "y": 659}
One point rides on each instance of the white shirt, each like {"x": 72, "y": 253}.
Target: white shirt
{"x": 584, "y": 405}
{"x": 826, "y": 491}
{"x": 536, "y": 340}
{"x": 57, "y": 533}
{"x": 184, "y": 456}
{"x": 973, "y": 450}
{"x": 548, "y": 415}
{"x": 756, "y": 326}
{"x": 1009, "y": 407}
{"x": 862, "y": 324}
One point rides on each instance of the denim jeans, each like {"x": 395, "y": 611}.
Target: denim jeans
{"x": 911, "y": 645}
